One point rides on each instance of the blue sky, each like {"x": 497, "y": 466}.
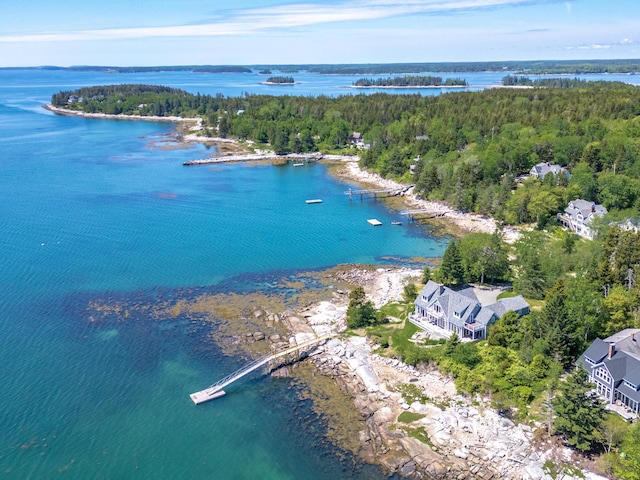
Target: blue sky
{"x": 243, "y": 32}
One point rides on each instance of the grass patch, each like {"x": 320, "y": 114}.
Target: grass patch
{"x": 560, "y": 470}
{"x": 396, "y": 310}
{"x": 410, "y": 417}
{"x": 412, "y": 393}
{"x": 421, "y": 434}
{"x": 400, "y": 337}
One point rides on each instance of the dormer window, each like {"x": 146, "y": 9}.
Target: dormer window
{"x": 456, "y": 314}
{"x": 589, "y": 361}
{"x": 630, "y": 385}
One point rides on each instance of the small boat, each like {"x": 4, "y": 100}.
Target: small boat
{"x": 315, "y": 200}
{"x": 396, "y": 223}
{"x": 374, "y": 222}
{"x": 298, "y": 164}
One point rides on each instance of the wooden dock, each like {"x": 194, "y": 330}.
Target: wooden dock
{"x": 425, "y": 213}
{"x": 387, "y": 192}
{"x": 375, "y": 222}
{"x": 255, "y": 157}
{"x": 216, "y": 390}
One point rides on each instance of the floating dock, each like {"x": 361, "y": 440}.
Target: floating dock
{"x": 374, "y": 222}
{"x": 315, "y": 200}
{"x": 206, "y": 395}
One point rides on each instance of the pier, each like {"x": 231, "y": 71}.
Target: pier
{"x": 289, "y": 355}
{"x": 425, "y": 213}
{"x": 314, "y": 157}
{"x": 387, "y": 192}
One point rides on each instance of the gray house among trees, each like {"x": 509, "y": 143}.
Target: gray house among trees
{"x": 461, "y": 311}
{"x": 613, "y": 365}
{"x": 578, "y": 216}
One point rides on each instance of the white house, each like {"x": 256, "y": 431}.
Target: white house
{"x": 460, "y": 311}
{"x": 578, "y": 216}
{"x": 544, "y": 168}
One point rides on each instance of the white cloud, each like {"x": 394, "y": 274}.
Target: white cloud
{"x": 279, "y": 17}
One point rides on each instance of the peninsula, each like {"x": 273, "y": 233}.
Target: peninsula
{"x": 488, "y": 153}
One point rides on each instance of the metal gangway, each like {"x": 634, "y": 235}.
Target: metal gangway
{"x": 216, "y": 390}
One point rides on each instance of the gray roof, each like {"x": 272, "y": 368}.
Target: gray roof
{"x": 518, "y": 304}
{"x": 628, "y": 341}
{"x": 587, "y": 209}
{"x": 462, "y": 306}
{"x": 629, "y": 392}
{"x": 596, "y": 351}
{"x": 541, "y": 169}
{"x": 623, "y": 363}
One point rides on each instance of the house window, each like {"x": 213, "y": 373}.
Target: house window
{"x": 589, "y": 361}
{"x": 602, "y": 374}
{"x": 630, "y": 385}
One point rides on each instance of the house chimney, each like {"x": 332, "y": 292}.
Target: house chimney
{"x": 612, "y": 349}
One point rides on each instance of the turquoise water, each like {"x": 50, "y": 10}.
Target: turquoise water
{"x": 93, "y": 210}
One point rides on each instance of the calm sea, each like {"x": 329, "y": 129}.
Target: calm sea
{"x": 96, "y": 211}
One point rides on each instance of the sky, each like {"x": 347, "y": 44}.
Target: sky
{"x": 253, "y": 32}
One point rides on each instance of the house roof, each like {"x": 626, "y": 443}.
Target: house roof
{"x": 587, "y": 209}
{"x": 623, "y": 364}
{"x": 541, "y": 169}
{"x": 628, "y": 341}
{"x": 517, "y": 304}
{"x": 597, "y": 350}
{"x": 462, "y": 306}
{"x": 629, "y": 392}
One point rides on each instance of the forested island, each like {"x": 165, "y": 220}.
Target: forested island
{"x": 473, "y": 150}
{"x": 280, "y": 80}
{"x": 558, "y": 82}
{"x": 409, "y": 82}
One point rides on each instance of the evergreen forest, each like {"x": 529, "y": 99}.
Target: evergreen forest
{"x": 474, "y": 150}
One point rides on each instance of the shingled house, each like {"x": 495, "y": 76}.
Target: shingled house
{"x": 614, "y": 366}
{"x": 542, "y": 169}
{"x": 578, "y": 216}
{"x": 460, "y": 311}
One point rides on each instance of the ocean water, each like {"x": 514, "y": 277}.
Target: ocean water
{"x": 96, "y": 211}
{"x": 100, "y": 211}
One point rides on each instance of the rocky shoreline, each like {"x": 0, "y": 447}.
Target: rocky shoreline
{"x": 447, "y": 436}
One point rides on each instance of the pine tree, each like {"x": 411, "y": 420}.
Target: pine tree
{"x": 451, "y": 270}
{"x": 578, "y": 413}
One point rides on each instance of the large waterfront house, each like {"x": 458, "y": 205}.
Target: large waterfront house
{"x": 613, "y": 365}
{"x": 578, "y": 216}
{"x": 542, "y": 169}
{"x": 460, "y": 311}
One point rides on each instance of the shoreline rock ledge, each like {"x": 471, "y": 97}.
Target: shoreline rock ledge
{"x": 457, "y": 438}
{"x": 466, "y": 443}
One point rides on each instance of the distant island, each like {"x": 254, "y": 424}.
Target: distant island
{"x": 520, "y": 81}
{"x": 280, "y": 81}
{"x": 407, "y": 81}
{"x": 528, "y": 67}
{"x": 265, "y": 72}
